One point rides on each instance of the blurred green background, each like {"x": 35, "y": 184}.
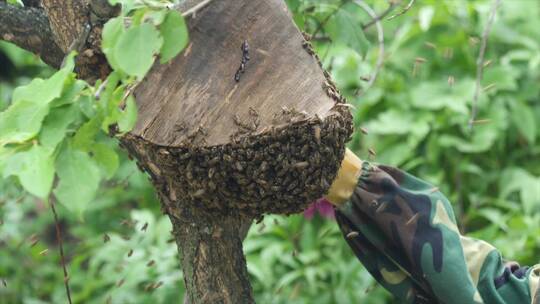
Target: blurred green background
{"x": 416, "y": 113}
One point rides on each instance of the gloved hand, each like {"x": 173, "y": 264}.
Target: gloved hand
{"x": 404, "y": 232}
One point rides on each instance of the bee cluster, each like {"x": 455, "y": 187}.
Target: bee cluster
{"x": 280, "y": 171}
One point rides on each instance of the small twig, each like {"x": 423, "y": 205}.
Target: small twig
{"x": 380, "y": 36}
{"x": 78, "y": 43}
{"x": 403, "y": 11}
{"x": 480, "y": 62}
{"x": 100, "y": 89}
{"x": 61, "y": 248}
{"x": 376, "y": 18}
{"x": 129, "y": 91}
{"x": 192, "y": 11}
{"x": 327, "y": 18}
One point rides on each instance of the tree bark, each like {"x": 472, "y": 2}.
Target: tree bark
{"x": 68, "y": 18}
{"x": 222, "y": 150}
{"x": 211, "y": 255}
{"x": 76, "y": 26}
{"x": 28, "y": 28}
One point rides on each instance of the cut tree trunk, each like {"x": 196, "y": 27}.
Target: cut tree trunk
{"x": 225, "y": 147}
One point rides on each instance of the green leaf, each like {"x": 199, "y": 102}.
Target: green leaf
{"x": 175, "y": 35}
{"x": 392, "y": 122}
{"x": 136, "y": 48}
{"x": 503, "y": 77}
{"x": 530, "y": 194}
{"x": 482, "y": 140}
{"x": 79, "y": 179}
{"x": 436, "y": 95}
{"x": 528, "y": 186}
{"x": 106, "y": 158}
{"x": 127, "y": 5}
{"x": 21, "y": 121}
{"x": 111, "y": 110}
{"x": 128, "y": 117}
{"x": 34, "y": 169}
{"x": 41, "y": 91}
{"x": 424, "y": 17}
{"x": 55, "y": 125}
{"x": 84, "y": 138}
{"x": 112, "y": 30}
{"x": 30, "y": 103}
{"x": 523, "y": 118}
{"x": 343, "y": 28}
{"x": 72, "y": 89}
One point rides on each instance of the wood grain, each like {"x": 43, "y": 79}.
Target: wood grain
{"x": 197, "y": 90}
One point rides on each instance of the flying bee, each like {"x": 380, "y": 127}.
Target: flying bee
{"x": 144, "y": 227}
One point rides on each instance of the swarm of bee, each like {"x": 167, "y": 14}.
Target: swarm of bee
{"x": 280, "y": 169}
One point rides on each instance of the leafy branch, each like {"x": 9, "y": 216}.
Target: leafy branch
{"x": 37, "y": 145}
{"x": 480, "y": 61}
{"x": 60, "y": 248}
{"x": 380, "y": 36}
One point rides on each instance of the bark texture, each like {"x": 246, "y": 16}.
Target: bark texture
{"x": 28, "y": 28}
{"x": 215, "y": 241}
{"x": 222, "y": 152}
{"x": 268, "y": 143}
{"x": 220, "y": 149}
{"x": 76, "y": 26}
{"x": 68, "y": 19}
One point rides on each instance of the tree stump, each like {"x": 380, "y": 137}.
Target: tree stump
{"x": 222, "y": 151}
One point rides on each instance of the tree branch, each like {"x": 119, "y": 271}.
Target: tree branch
{"x": 375, "y": 19}
{"x": 29, "y": 29}
{"x": 60, "y": 248}
{"x": 480, "y": 61}
{"x": 380, "y": 36}
{"x": 403, "y": 11}
{"x": 68, "y": 19}
{"x": 31, "y": 3}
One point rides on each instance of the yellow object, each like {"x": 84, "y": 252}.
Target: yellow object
{"x": 343, "y": 186}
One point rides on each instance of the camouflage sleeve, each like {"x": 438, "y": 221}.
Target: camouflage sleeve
{"x": 404, "y": 232}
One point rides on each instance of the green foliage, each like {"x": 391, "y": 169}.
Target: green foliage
{"x": 135, "y": 49}
{"x": 34, "y": 169}
{"x": 175, "y": 35}
{"x": 79, "y": 179}
{"x": 418, "y": 110}
{"x": 58, "y": 125}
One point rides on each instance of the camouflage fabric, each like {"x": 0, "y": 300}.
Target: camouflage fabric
{"x": 404, "y": 232}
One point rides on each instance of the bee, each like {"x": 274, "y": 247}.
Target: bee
{"x": 120, "y": 283}
{"x": 144, "y": 227}
{"x": 245, "y": 50}
{"x": 352, "y": 234}
{"x": 245, "y": 59}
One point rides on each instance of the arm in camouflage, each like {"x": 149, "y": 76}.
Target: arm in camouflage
{"x": 404, "y": 232}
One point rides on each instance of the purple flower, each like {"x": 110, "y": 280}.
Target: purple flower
{"x": 322, "y": 206}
